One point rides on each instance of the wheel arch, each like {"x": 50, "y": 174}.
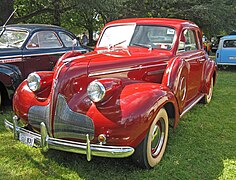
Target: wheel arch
{"x": 210, "y": 71}
{"x": 10, "y": 78}
{"x": 4, "y": 93}
{"x": 171, "y": 112}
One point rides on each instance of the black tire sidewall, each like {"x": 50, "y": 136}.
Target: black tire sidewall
{"x": 142, "y": 155}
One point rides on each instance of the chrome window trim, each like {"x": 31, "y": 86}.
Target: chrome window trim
{"x": 36, "y": 54}
{"x": 44, "y": 47}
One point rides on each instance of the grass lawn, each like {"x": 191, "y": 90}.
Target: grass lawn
{"x": 202, "y": 147}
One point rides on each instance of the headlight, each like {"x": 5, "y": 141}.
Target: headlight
{"x": 33, "y": 81}
{"x": 96, "y": 91}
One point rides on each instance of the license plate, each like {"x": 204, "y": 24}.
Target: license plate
{"x": 232, "y": 57}
{"x": 26, "y": 139}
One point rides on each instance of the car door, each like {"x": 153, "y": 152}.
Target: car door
{"x": 190, "y": 50}
{"x": 42, "y": 51}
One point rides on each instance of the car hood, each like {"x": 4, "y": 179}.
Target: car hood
{"x": 103, "y": 60}
{"x": 72, "y": 72}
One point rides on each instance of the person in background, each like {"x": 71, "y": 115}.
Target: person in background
{"x": 84, "y": 39}
{"x": 205, "y": 45}
{"x": 208, "y": 47}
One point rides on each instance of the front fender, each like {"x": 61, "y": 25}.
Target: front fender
{"x": 24, "y": 99}
{"x": 127, "y": 119}
{"x": 11, "y": 77}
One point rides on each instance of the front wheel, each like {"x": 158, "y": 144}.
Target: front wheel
{"x": 1, "y": 110}
{"x": 150, "y": 151}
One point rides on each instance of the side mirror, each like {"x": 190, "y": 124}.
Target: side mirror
{"x": 74, "y": 43}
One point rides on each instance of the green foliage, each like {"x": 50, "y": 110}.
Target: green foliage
{"x": 213, "y": 17}
{"x": 201, "y": 147}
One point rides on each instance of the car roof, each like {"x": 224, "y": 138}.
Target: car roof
{"x": 229, "y": 37}
{"x": 159, "y": 21}
{"x": 33, "y": 27}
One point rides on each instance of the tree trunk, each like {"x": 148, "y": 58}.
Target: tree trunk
{"x": 56, "y": 13}
{"x": 91, "y": 41}
{"x": 6, "y": 8}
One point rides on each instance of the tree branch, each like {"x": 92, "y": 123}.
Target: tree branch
{"x": 35, "y": 13}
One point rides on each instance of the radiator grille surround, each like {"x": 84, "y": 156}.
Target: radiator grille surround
{"x": 67, "y": 123}
{"x": 70, "y": 124}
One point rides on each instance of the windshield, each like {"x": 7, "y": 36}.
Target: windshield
{"x": 12, "y": 38}
{"x": 117, "y": 35}
{"x": 146, "y": 36}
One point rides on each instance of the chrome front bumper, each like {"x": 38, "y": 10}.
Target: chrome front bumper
{"x": 45, "y": 142}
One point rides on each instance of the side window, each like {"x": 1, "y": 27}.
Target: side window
{"x": 44, "y": 39}
{"x": 188, "y": 41}
{"x": 229, "y": 43}
{"x": 66, "y": 39}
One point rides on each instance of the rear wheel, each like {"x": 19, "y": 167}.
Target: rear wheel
{"x": 150, "y": 151}
{"x": 207, "y": 98}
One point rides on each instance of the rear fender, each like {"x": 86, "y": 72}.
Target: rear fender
{"x": 175, "y": 78}
{"x": 210, "y": 71}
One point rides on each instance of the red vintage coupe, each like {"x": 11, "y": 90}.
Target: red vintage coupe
{"x": 120, "y": 99}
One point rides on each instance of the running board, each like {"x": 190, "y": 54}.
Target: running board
{"x": 191, "y": 105}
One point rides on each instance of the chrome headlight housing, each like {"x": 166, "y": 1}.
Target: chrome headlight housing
{"x": 33, "y": 81}
{"x": 96, "y": 91}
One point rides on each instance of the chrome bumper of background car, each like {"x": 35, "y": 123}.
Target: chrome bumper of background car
{"x": 46, "y": 142}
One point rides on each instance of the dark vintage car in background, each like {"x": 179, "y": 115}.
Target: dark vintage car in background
{"x": 25, "y": 48}
{"x": 118, "y": 100}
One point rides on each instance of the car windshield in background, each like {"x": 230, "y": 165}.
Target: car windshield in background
{"x": 13, "y": 39}
{"x": 147, "y": 36}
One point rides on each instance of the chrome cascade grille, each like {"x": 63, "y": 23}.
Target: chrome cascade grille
{"x": 69, "y": 124}
{"x": 38, "y": 114}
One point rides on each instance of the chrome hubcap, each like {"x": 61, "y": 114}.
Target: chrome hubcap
{"x": 210, "y": 92}
{"x": 158, "y": 136}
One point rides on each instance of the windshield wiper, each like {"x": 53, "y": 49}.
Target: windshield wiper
{"x": 114, "y": 45}
{"x": 142, "y": 45}
{"x": 12, "y": 45}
